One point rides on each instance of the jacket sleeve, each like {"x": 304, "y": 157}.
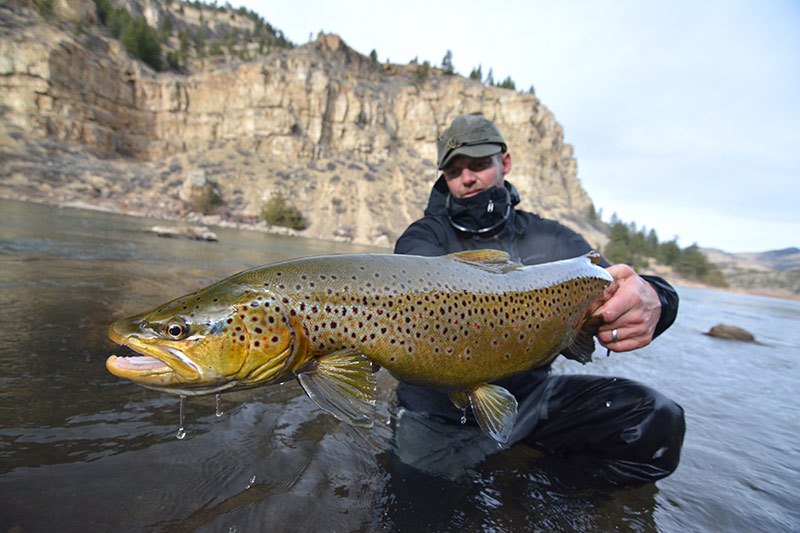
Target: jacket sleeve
{"x": 669, "y": 302}
{"x": 421, "y": 238}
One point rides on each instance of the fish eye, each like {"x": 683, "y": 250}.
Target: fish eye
{"x": 176, "y": 329}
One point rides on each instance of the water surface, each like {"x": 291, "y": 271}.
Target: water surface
{"x": 82, "y": 450}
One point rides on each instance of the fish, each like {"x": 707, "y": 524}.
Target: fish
{"x": 457, "y": 322}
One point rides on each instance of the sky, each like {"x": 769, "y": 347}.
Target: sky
{"x": 684, "y": 115}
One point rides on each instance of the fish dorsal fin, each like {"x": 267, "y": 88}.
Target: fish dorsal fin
{"x": 490, "y": 260}
{"x": 495, "y": 409}
{"x": 594, "y": 256}
{"x": 582, "y": 347}
{"x": 343, "y": 384}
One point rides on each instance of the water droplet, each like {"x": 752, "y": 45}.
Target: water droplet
{"x": 608, "y": 403}
{"x": 181, "y": 431}
{"x": 463, "y": 416}
{"x": 218, "y": 412}
{"x": 251, "y": 482}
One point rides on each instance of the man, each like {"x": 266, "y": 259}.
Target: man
{"x": 621, "y": 431}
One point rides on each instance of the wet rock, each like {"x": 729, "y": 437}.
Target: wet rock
{"x": 197, "y": 233}
{"x": 724, "y": 331}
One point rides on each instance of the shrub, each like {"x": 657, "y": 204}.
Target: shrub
{"x": 507, "y": 83}
{"x": 138, "y": 37}
{"x": 207, "y": 200}
{"x": 421, "y": 73}
{"x": 277, "y": 212}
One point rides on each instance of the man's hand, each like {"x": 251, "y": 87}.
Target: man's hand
{"x": 632, "y": 308}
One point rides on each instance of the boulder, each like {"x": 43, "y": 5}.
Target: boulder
{"x": 724, "y": 331}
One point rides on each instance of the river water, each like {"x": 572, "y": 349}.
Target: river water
{"x": 81, "y": 450}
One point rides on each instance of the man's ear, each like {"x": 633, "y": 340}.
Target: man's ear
{"x": 505, "y": 158}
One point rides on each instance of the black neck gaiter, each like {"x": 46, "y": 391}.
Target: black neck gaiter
{"x": 484, "y": 212}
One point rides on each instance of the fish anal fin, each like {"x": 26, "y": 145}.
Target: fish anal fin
{"x": 495, "y": 409}
{"x": 583, "y": 346}
{"x": 343, "y": 384}
{"x": 459, "y": 399}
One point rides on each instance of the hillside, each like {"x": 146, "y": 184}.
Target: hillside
{"x": 774, "y": 273}
{"x": 351, "y": 142}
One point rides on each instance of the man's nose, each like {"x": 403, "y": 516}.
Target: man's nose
{"x": 467, "y": 176}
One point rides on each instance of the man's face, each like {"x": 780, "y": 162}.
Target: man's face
{"x": 467, "y": 176}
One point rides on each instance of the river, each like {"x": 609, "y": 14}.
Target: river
{"x": 81, "y": 450}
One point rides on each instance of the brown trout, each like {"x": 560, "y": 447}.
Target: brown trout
{"x": 455, "y": 322}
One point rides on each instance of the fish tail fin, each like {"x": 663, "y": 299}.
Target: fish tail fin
{"x": 343, "y": 384}
{"x": 583, "y": 346}
{"x": 495, "y": 410}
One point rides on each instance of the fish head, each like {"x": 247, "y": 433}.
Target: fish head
{"x": 215, "y": 339}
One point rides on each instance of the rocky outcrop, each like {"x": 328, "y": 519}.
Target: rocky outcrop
{"x": 349, "y": 141}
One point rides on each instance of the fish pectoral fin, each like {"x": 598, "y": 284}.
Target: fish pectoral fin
{"x": 495, "y": 410}
{"x": 343, "y": 384}
{"x": 583, "y": 346}
{"x": 490, "y": 260}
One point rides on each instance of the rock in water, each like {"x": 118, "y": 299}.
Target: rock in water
{"x": 197, "y": 233}
{"x": 724, "y": 331}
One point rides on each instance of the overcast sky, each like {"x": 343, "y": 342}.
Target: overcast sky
{"x": 684, "y": 115}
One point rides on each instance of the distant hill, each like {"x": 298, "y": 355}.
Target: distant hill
{"x": 775, "y": 272}
{"x": 785, "y": 259}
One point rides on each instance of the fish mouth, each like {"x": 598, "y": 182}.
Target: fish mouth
{"x": 156, "y": 366}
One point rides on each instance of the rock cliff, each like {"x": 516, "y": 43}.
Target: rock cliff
{"x": 349, "y": 141}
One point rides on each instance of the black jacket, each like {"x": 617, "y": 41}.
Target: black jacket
{"x": 526, "y": 237}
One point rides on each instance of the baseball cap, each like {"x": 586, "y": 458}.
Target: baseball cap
{"x": 469, "y": 135}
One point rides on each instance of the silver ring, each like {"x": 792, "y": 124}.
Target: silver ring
{"x": 614, "y": 336}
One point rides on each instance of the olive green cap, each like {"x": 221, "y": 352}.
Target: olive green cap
{"x": 469, "y": 135}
